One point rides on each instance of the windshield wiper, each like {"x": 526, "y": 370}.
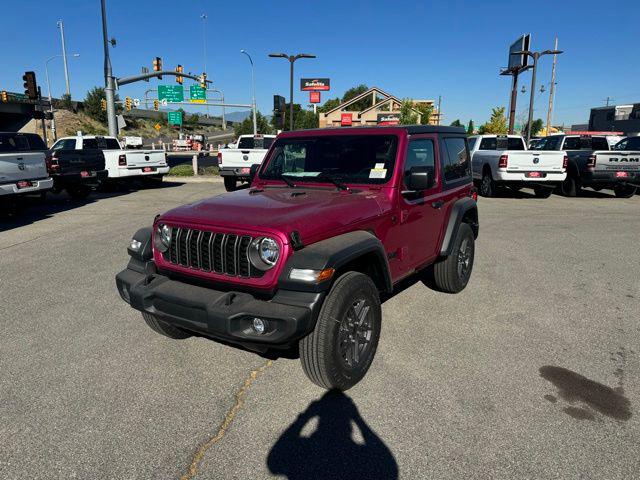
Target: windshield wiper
{"x": 339, "y": 185}
{"x": 287, "y": 181}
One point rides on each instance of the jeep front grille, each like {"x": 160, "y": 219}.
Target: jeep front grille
{"x": 223, "y": 253}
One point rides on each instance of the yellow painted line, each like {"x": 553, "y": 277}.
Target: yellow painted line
{"x": 226, "y": 423}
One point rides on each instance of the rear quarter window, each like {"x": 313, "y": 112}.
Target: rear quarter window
{"x": 599, "y": 143}
{"x": 455, "y": 159}
{"x": 36, "y": 143}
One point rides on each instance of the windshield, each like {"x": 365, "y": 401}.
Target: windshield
{"x": 365, "y": 159}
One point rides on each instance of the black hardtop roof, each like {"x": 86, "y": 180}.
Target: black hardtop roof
{"x": 411, "y": 129}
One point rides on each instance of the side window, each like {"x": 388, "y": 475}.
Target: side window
{"x": 455, "y": 163}
{"x": 633, "y": 143}
{"x": 419, "y": 154}
{"x": 472, "y": 143}
{"x": 36, "y": 143}
{"x": 488, "y": 144}
{"x": 112, "y": 144}
{"x": 65, "y": 144}
{"x": 22, "y": 143}
{"x": 571, "y": 143}
{"x": 7, "y": 143}
{"x": 599, "y": 143}
{"x": 89, "y": 144}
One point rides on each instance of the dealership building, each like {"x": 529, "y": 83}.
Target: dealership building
{"x": 370, "y": 108}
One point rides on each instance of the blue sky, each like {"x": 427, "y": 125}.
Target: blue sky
{"x": 418, "y": 49}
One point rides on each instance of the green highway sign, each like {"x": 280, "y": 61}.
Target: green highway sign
{"x": 174, "y": 118}
{"x": 171, "y": 93}
{"x": 197, "y": 94}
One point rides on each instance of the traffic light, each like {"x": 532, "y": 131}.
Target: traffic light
{"x": 279, "y": 109}
{"x": 157, "y": 65}
{"x": 30, "y": 86}
{"x": 179, "y": 78}
{"x": 203, "y": 80}
{"x": 103, "y": 105}
{"x": 127, "y": 103}
{"x": 5, "y": 96}
{"x": 156, "y": 105}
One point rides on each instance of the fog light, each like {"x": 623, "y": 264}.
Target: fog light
{"x": 135, "y": 245}
{"x": 259, "y": 326}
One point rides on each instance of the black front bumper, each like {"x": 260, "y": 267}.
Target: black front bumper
{"x": 222, "y": 315}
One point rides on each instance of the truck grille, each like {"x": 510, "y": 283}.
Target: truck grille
{"x": 223, "y": 253}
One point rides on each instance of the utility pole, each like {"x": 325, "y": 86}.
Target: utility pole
{"x": 109, "y": 81}
{"x": 552, "y": 90}
{"x": 439, "y": 106}
{"x": 608, "y": 99}
{"x": 64, "y": 56}
{"x": 203, "y": 17}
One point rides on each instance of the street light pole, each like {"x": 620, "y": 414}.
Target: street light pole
{"x": 535, "y": 56}
{"x": 109, "y": 81}
{"x": 292, "y": 59}
{"x": 46, "y": 72}
{"x": 224, "y": 121}
{"x": 253, "y": 86}
{"x": 64, "y": 56}
{"x": 203, "y": 17}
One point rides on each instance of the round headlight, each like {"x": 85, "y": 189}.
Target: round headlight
{"x": 163, "y": 237}
{"x": 264, "y": 253}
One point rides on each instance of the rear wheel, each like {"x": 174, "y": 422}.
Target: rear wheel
{"x": 624, "y": 191}
{"x": 230, "y": 184}
{"x": 542, "y": 192}
{"x": 163, "y": 328}
{"x": 452, "y": 274}
{"x": 339, "y": 351}
{"x": 79, "y": 192}
{"x": 570, "y": 186}
{"x": 487, "y": 186}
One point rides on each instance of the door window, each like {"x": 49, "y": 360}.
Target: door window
{"x": 420, "y": 153}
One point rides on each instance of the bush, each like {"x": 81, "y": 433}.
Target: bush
{"x": 181, "y": 171}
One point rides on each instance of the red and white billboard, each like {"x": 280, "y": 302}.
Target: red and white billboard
{"x": 346, "y": 119}
{"x": 315, "y": 84}
{"x": 314, "y": 97}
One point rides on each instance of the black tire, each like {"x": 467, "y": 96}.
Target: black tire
{"x": 542, "y": 192}
{"x": 452, "y": 274}
{"x": 624, "y": 191}
{"x": 163, "y": 328}
{"x": 570, "y": 187}
{"x": 330, "y": 355}
{"x": 79, "y": 192}
{"x": 488, "y": 185}
{"x": 230, "y": 184}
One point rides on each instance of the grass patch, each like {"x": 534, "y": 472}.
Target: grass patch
{"x": 181, "y": 171}
{"x": 209, "y": 171}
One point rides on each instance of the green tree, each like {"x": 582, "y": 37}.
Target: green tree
{"x": 425, "y": 113}
{"x": 456, "y": 123}
{"x": 65, "y": 102}
{"x": 329, "y": 105}
{"x": 302, "y": 119}
{"x": 354, "y": 92}
{"x": 536, "y": 126}
{"x": 470, "y": 128}
{"x": 407, "y": 114}
{"x": 496, "y": 124}
{"x": 93, "y": 104}
{"x": 246, "y": 126}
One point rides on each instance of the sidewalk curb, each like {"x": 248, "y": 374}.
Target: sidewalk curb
{"x": 198, "y": 179}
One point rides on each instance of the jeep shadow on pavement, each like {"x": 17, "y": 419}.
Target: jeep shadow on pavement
{"x": 334, "y": 218}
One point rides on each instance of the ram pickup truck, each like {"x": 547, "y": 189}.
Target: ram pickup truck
{"x": 22, "y": 166}
{"x": 333, "y": 220}
{"x": 591, "y": 163}
{"x": 235, "y": 163}
{"x": 76, "y": 170}
{"x": 499, "y": 160}
{"x": 120, "y": 163}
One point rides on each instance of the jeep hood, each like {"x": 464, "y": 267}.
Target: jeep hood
{"x": 310, "y": 211}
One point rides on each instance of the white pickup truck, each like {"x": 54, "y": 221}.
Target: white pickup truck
{"x": 120, "y": 163}
{"x": 235, "y": 163}
{"x": 22, "y": 165}
{"x": 504, "y": 160}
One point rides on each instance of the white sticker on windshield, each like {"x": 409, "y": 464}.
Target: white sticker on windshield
{"x": 378, "y": 173}
{"x": 379, "y": 166}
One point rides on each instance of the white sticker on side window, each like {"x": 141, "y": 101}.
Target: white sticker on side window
{"x": 378, "y": 173}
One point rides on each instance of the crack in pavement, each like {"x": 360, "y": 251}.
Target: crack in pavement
{"x": 226, "y": 423}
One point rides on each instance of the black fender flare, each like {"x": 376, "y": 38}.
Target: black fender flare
{"x": 463, "y": 207}
{"x": 335, "y": 252}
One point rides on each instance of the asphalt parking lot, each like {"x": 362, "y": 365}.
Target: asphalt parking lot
{"x": 531, "y": 372}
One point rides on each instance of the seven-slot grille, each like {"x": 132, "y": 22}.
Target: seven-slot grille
{"x": 223, "y": 253}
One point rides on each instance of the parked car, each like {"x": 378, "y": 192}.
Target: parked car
{"x": 235, "y": 163}
{"x": 120, "y": 163}
{"x": 591, "y": 164}
{"x": 22, "y": 166}
{"x": 334, "y": 218}
{"x": 504, "y": 160}
{"x": 75, "y": 169}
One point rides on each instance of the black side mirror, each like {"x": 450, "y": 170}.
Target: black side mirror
{"x": 420, "y": 178}
{"x": 253, "y": 171}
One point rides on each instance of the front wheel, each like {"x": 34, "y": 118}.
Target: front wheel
{"x": 452, "y": 274}
{"x": 339, "y": 351}
{"x": 230, "y": 184}
{"x": 542, "y": 192}
{"x": 624, "y": 191}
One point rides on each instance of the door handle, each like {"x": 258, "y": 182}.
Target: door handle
{"x": 437, "y": 204}
{"x": 20, "y": 158}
